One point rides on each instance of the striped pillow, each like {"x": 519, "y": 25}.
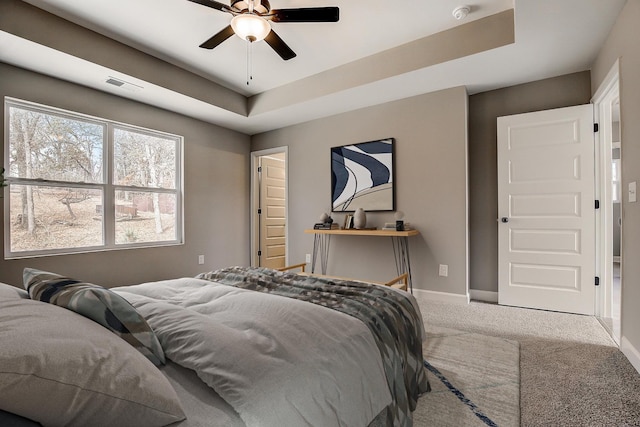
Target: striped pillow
{"x": 98, "y": 304}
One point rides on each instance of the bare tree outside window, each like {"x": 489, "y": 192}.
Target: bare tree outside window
{"x": 142, "y": 161}
{"x": 59, "y": 185}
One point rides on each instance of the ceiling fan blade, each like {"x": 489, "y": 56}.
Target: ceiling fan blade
{"x": 279, "y": 46}
{"x": 306, "y": 14}
{"x": 213, "y": 4}
{"x": 214, "y": 41}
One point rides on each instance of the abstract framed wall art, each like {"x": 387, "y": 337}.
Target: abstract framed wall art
{"x": 362, "y": 176}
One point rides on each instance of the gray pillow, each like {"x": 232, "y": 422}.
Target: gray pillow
{"x": 11, "y": 292}
{"x": 60, "y": 368}
{"x": 99, "y": 304}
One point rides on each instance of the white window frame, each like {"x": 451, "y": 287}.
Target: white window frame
{"x": 107, "y": 186}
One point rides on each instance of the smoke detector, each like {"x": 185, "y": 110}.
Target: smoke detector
{"x": 461, "y": 12}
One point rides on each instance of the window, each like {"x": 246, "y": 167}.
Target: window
{"x": 64, "y": 168}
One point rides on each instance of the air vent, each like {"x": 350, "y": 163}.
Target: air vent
{"x": 123, "y": 84}
{"x": 114, "y": 82}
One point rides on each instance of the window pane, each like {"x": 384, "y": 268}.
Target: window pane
{"x": 54, "y": 218}
{"x": 144, "y": 160}
{"x": 54, "y": 147}
{"x": 145, "y": 217}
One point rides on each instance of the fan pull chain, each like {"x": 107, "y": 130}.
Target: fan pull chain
{"x": 249, "y": 62}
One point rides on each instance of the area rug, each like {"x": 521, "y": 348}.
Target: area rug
{"x": 475, "y": 380}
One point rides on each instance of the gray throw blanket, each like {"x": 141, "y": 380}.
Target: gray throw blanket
{"x": 392, "y": 317}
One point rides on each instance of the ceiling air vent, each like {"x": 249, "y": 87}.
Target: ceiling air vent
{"x": 114, "y": 82}
{"x": 125, "y": 85}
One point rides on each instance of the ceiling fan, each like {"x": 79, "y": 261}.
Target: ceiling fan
{"x": 251, "y": 22}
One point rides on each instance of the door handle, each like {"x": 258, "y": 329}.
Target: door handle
{"x": 504, "y": 219}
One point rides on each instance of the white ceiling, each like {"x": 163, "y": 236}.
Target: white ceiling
{"x": 552, "y": 38}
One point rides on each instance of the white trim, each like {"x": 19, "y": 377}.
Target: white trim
{"x": 611, "y": 79}
{"x": 254, "y": 194}
{"x": 486, "y": 296}
{"x": 442, "y": 296}
{"x": 631, "y": 352}
{"x": 609, "y": 328}
{"x": 605, "y": 94}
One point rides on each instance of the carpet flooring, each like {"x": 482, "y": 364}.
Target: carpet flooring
{"x": 571, "y": 371}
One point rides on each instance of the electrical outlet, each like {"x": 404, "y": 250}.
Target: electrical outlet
{"x": 200, "y": 259}
{"x": 308, "y": 258}
{"x": 443, "y": 270}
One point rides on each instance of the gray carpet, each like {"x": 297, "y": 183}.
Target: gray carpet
{"x": 571, "y": 371}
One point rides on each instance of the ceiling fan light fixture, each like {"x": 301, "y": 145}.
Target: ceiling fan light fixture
{"x": 250, "y": 27}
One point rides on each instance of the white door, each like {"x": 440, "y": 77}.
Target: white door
{"x": 546, "y": 209}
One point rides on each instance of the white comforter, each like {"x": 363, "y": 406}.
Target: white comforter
{"x": 277, "y": 361}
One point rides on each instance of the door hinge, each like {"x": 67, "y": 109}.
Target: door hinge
{"x": 259, "y": 253}
{"x": 259, "y": 211}
{"x": 597, "y": 204}
{"x": 597, "y": 281}
{"x": 595, "y": 127}
{"x": 259, "y": 169}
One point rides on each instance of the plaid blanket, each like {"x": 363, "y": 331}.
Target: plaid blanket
{"x": 389, "y": 314}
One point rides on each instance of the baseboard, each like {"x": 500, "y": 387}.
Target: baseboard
{"x": 486, "y": 296}
{"x": 442, "y": 296}
{"x": 631, "y": 352}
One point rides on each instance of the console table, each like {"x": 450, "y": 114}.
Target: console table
{"x": 399, "y": 241}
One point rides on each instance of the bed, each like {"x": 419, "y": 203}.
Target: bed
{"x": 238, "y": 346}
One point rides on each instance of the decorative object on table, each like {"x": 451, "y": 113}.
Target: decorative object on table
{"x": 399, "y": 221}
{"x": 392, "y": 226}
{"x": 348, "y": 222}
{"x": 326, "y": 223}
{"x": 359, "y": 219}
{"x": 363, "y": 175}
{"x": 325, "y": 226}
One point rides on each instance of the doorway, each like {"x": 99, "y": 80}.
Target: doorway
{"x": 609, "y": 176}
{"x": 517, "y": 240}
{"x": 269, "y": 208}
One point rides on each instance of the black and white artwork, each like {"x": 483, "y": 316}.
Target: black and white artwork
{"x": 362, "y": 176}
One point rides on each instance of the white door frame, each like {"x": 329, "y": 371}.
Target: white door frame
{"x": 255, "y": 193}
{"x": 602, "y": 99}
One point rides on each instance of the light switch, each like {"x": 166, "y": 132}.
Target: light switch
{"x": 632, "y": 192}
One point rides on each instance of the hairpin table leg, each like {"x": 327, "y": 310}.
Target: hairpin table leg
{"x": 402, "y": 258}
{"x": 321, "y": 244}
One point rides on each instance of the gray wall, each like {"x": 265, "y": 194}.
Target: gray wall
{"x": 623, "y": 43}
{"x": 484, "y": 109}
{"x": 308, "y": 155}
{"x": 216, "y": 185}
{"x": 431, "y": 186}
